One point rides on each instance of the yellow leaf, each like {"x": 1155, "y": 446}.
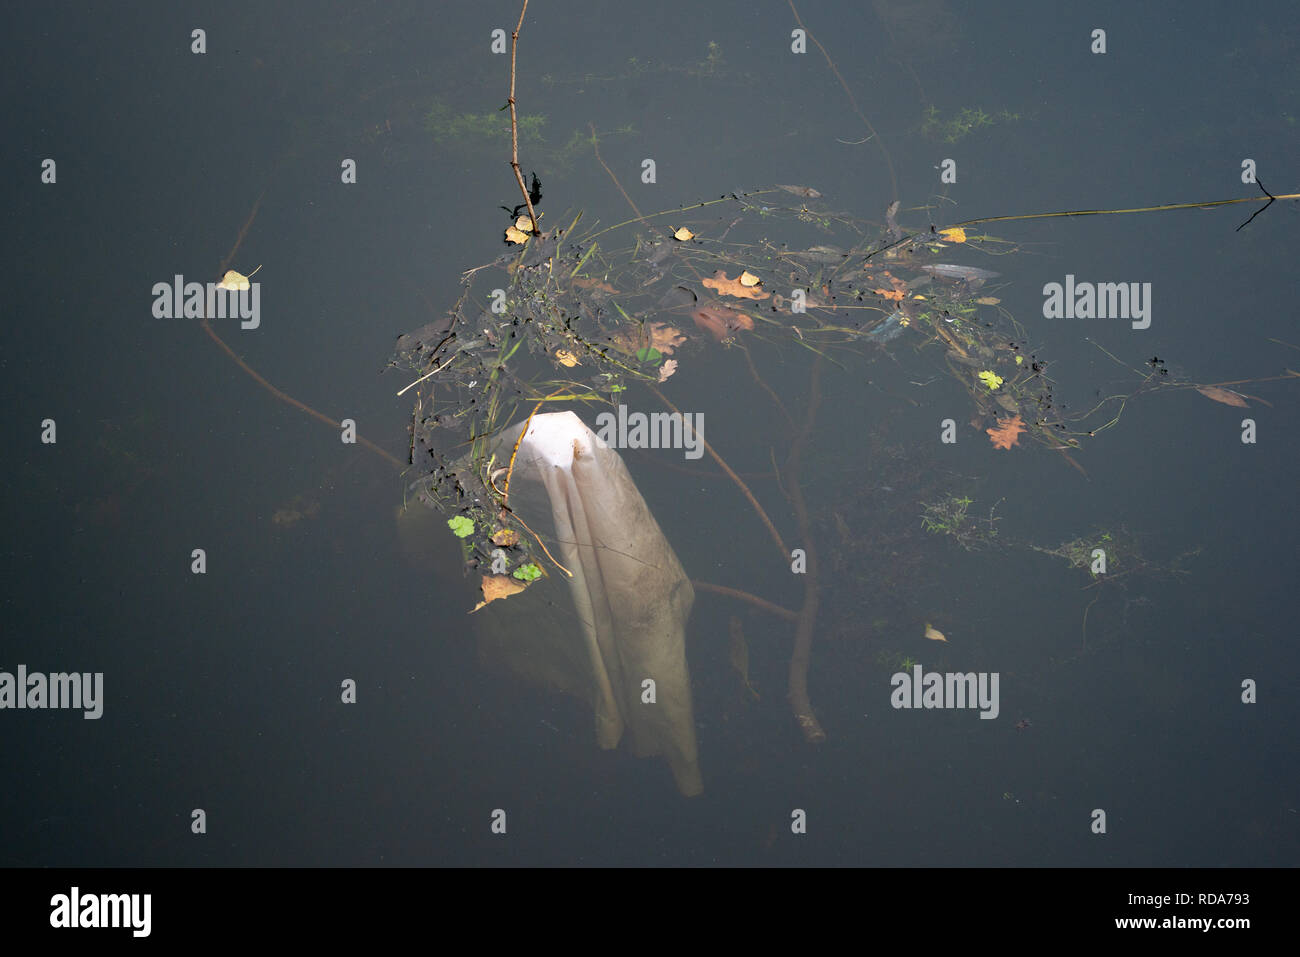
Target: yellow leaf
{"x": 933, "y": 633}
{"x": 517, "y": 236}
{"x": 954, "y": 235}
{"x": 988, "y": 300}
{"x": 567, "y": 358}
{"x": 234, "y": 281}
{"x": 524, "y": 224}
{"x": 683, "y": 234}
{"x": 749, "y": 279}
{"x": 506, "y": 538}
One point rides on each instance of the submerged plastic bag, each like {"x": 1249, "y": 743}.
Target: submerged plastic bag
{"x": 621, "y": 624}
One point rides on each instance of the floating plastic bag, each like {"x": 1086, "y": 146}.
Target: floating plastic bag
{"x": 622, "y": 622}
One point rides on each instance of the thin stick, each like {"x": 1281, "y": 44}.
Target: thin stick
{"x": 514, "y": 122}
{"x": 282, "y": 396}
{"x": 803, "y": 636}
{"x": 426, "y": 375}
{"x": 754, "y": 600}
{"x": 893, "y": 177}
{"x": 776, "y": 536}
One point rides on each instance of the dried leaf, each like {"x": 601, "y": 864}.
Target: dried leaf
{"x": 664, "y": 337}
{"x": 233, "y": 281}
{"x": 933, "y": 633}
{"x": 667, "y": 369}
{"x": 596, "y": 284}
{"x": 898, "y": 291}
{"x": 807, "y": 192}
{"x": 1007, "y": 433}
{"x": 748, "y": 279}
{"x": 567, "y": 358}
{"x": 516, "y": 236}
{"x": 653, "y": 335}
{"x": 506, "y": 538}
{"x": 954, "y": 235}
{"x": 733, "y": 287}
{"x": 524, "y": 224}
{"x": 498, "y": 586}
{"x": 683, "y": 235}
{"x": 738, "y": 652}
{"x": 720, "y": 322}
{"x": 1222, "y": 395}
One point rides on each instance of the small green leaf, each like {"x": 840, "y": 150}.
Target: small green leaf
{"x": 527, "y": 573}
{"x": 461, "y": 526}
{"x": 649, "y": 354}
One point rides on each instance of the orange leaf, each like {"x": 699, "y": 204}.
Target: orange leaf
{"x": 733, "y": 287}
{"x": 498, "y": 586}
{"x": 1222, "y": 395}
{"x": 1007, "y": 433}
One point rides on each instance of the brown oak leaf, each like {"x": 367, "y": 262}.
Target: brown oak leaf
{"x": 1007, "y": 433}
{"x": 734, "y": 287}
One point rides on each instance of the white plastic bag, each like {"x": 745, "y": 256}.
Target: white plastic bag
{"x": 623, "y": 650}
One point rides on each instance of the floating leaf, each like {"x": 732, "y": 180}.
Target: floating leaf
{"x": 498, "y": 586}
{"x": 524, "y": 224}
{"x": 665, "y": 338}
{"x": 506, "y": 538}
{"x": 991, "y": 379}
{"x": 461, "y": 526}
{"x": 667, "y": 369}
{"x": 683, "y": 235}
{"x": 954, "y": 235}
{"x": 933, "y": 633}
{"x": 733, "y": 287}
{"x": 1222, "y": 395}
{"x": 516, "y": 236}
{"x": 567, "y": 358}
{"x": 649, "y": 354}
{"x": 1007, "y": 433}
{"x": 748, "y": 279}
{"x": 988, "y": 300}
{"x": 233, "y": 281}
{"x": 898, "y": 291}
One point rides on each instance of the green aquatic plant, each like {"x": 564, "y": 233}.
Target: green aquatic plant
{"x": 527, "y": 573}
{"x": 461, "y": 526}
{"x": 962, "y": 123}
{"x": 474, "y": 130}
